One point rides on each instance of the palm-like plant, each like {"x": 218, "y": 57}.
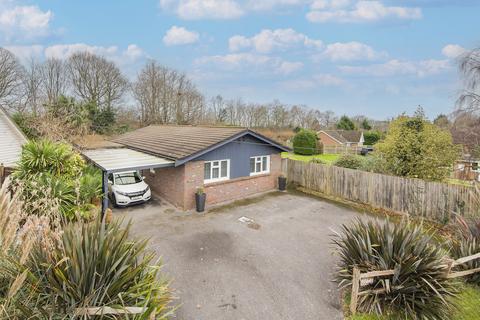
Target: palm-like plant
{"x": 418, "y": 289}
{"x": 45, "y": 156}
{"x": 54, "y": 171}
{"x": 468, "y": 241}
{"x": 97, "y": 265}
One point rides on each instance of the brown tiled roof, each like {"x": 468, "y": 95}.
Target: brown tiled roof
{"x": 345, "y": 136}
{"x": 179, "y": 142}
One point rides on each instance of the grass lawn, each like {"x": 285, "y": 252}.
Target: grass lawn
{"x": 467, "y": 302}
{"x": 327, "y": 158}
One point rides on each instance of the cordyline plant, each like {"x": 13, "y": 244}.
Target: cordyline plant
{"x": 418, "y": 289}
{"x": 53, "y": 269}
{"x": 468, "y": 239}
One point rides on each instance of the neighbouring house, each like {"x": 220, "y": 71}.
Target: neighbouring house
{"x": 344, "y": 138}
{"x": 228, "y": 162}
{"x": 11, "y": 141}
{"x": 468, "y": 170}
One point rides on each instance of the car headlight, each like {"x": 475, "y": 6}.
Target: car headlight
{"x": 147, "y": 189}
{"x": 121, "y": 193}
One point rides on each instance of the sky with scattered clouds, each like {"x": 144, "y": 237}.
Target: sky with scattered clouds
{"x": 378, "y": 58}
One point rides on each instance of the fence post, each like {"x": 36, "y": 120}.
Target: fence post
{"x": 2, "y": 173}
{"x": 355, "y": 288}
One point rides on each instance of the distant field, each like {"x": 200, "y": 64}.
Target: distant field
{"x": 327, "y": 158}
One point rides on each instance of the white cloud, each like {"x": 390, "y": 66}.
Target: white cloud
{"x": 203, "y": 9}
{"x": 25, "y": 53}
{"x": 63, "y": 51}
{"x": 23, "y": 22}
{"x": 257, "y": 62}
{"x": 271, "y": 4}
{"x": 318, "y": 80}
{"x": 361, "y": 11}
{"x": 180, "y": 36}
{"x": 287, "y": 67}
{"x": 133, "y": 52}
{"x": 131, "y": 55}
{"x": 396, "y": 67}
{"x": 269, "y": 40}
{"x": 453, "y": 51}
{"x": 351, "y": 51}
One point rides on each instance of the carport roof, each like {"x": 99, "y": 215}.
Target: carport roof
{"x": 123, "y": 159}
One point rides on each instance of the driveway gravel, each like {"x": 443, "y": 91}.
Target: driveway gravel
{"x": 277, "y": 263}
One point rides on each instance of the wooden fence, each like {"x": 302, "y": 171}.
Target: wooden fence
{"x": 362, "y": 279}
{"x": 342, "y": 149}
{"x": 431, "y": 200}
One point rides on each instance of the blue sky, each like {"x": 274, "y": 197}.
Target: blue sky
{"x": 377, "y": 58}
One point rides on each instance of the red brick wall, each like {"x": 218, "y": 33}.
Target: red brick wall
{"x": 327, "y": 140}
{"x": 231, "y": 189}
{"x": 178, "y": 185}
{"x": 168, "y": 183}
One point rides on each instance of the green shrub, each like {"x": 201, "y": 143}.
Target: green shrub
{"x": 416, "y": 148}
{"x": 371, "y": 137}
{"x": 349, "y": 161}
{"x": 345, "y": 123}
{"x": 467, "y": 240}
{"x": 48, "y": 270}
{"x": 305, "y": 142}
{"x": 54, "y": 171}
{"x": 465, "y": 247}
{"x": 373, "y": 163}
{"x": 418, "y": 289}
{"x": 97, "y": 265}
{"x": 90, "y": 184}
{"x": 24, "y": 122}
{"x": 45, "y": 156}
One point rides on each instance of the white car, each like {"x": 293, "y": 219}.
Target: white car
{"x": 126, "y": 188}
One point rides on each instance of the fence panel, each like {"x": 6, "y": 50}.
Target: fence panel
{"x": 431, "y": 200}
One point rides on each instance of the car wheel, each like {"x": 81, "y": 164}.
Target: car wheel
{"x": 114, "y": 201}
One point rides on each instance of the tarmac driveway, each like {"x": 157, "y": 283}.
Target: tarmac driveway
{"x": 278, "y": 267}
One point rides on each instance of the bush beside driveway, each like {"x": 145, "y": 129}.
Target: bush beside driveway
{"x": 280, "y": 266}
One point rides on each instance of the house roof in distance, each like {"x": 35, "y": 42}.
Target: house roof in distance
{"x": 11, "y": 141}
{"x": 184, "y": 143}
{"x": 344, "y": 136}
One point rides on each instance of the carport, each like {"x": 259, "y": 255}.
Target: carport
{"x": 111, "y": 160}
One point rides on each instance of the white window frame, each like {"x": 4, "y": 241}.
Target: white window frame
{"x": 211, "y": 180}
{"x": 259, "y": 159}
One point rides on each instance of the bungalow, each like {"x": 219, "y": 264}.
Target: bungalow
{"x": 11, "y": 142}
{"x": 228, "y": 162}
{"x": 344, "y": 138}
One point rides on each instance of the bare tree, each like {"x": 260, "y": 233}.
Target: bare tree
{"x": 167, "y": 96}
{"x": 10, "y": 75}
{"x": 54, "y": 79}
{"x": 95, "y": 79}
{"x": 32, "y": 82}
{"x": 469, "y": 99}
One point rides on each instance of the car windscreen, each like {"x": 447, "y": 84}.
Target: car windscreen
{"x": 127, "y": 178}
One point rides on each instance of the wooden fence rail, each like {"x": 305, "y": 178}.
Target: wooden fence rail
{"x": 97, "y": 311}
{"x": 362, "y": 279}
{"x": 433, "y": 200}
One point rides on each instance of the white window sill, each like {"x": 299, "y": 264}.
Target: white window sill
{"x": 258, "y": 173}
{"x": 215, "y": 180}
